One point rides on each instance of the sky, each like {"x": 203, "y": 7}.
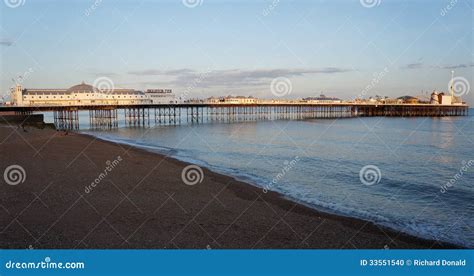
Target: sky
{"x": 202, "y": 48}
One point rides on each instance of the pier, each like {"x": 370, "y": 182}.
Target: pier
{"x": 107, "y": 116}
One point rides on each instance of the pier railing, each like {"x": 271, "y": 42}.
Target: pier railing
{"x": 107, "y": 116}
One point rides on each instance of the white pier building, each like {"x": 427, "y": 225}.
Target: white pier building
{"x": 86, "y": 94}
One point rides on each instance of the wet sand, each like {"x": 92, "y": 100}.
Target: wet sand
{"x": 140, "y": 201}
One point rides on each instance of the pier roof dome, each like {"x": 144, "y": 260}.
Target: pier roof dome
{"x": 82, "y": 88}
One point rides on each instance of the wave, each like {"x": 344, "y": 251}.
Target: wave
{"x": 418, "y": 229}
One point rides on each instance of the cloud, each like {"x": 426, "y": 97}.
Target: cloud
{"x": 104, "y": 74}
{"x": 6, "y": 42}
{"x": 232, "y": 77}
{"x": 153, "y": 72}
{"x": 420, "y": 65}
{"x": 458, "y": 66}
{"x": 416, "y": 65}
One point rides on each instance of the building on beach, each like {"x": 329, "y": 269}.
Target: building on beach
{"x": 161, "y": 96}
{"x": 322, "y": 99}
{"x": 408, "y": 99}
{"x": 434, "y": 99}
{"x": 443, "y": 99}
{"x": 86, "y": 94}
{"x": 232, "y": 100}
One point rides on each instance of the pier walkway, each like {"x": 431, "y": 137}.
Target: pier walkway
{"x": 107, "y": 116}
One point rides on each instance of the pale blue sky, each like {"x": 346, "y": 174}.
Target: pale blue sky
{"x": 330, "y": 46}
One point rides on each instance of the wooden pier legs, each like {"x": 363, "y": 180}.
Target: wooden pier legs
{"x": 137, "y": 117}
{"x": 103, "y": 119}
{"x": 167, "y": 115}
{"x": 66, "y": 119}
{"x": 108, "y": 117}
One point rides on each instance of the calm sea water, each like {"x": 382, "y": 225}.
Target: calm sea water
{"x": 425, "y": 186}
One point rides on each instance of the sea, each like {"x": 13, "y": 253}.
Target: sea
{"x": 414, "y": 174}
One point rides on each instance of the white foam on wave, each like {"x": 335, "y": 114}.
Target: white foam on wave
{"x": 418, "y": 229}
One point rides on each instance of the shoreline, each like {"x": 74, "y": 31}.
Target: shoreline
{"x": 248, "y": 181}
{"x": 220, "y": 212}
